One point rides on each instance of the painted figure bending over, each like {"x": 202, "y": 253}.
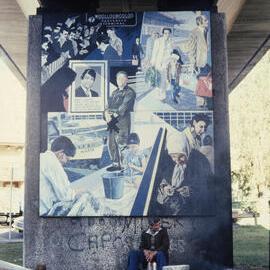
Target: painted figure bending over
{"x": 57, "y": 196}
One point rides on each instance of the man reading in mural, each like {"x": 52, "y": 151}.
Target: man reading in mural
{"x": 57, "y": 197}
{"x": 118, "y": 118}
{"x": 154, "y": 247}
{"x": 87, "y": 81}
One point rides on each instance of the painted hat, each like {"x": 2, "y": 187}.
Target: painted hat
{"x": 133, "y": 138}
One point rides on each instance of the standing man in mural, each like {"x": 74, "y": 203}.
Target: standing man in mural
{"x": 118, "y": 118}
{"x": 150, "y": 45}
{"x": 196, "y": 47}
{"x": 161, "y": 53}
{"x": 115, "y": 41}
{"x": 154, "y": 247}
{"x": 63, "y": 45}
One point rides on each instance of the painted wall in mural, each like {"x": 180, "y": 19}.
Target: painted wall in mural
{"x": 128, "y": 103}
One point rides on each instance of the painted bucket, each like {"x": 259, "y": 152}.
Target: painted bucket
{"x": 113, "y": 183}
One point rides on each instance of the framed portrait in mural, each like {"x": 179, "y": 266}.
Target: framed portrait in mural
{"x": 88, "y": 91}
{"x": 131, "y": 133}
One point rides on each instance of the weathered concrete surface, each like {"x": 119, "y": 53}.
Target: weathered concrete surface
{"x": 103, "y": 243}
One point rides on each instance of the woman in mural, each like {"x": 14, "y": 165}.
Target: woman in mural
{"x": 173, "y": 193}
{"x": 184, "y": 174}
{"x": 204, "y": 88}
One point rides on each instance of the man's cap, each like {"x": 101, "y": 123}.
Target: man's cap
{"x": 153, "y": 220}
{"x": 133, "y": 138}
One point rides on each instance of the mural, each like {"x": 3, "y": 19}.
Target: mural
{"x": 128, "y": 103}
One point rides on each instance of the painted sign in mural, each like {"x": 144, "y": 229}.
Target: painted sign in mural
{"x": 129, "y": 121}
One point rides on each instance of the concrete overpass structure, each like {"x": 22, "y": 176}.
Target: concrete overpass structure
{"x": 248, "y": 24}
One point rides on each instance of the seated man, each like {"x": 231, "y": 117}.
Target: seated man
{"x": 153, "y": 248}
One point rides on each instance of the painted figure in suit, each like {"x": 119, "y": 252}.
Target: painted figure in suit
{"x": 160, "y": 56}
{"x": 87, "y": 80}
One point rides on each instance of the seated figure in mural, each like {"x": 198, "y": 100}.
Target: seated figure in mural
{"x": 184, "y": 176}
{"x": 154, "y": 247}
{"x": 57, "y": 197}
{"x": 134, "y": 160}
{"x": 174, "y": 193}
{"x": 87, "y": 81}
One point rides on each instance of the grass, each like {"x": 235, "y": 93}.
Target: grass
{"x": 251, "y": 247}
{"x": 12, "y": 252}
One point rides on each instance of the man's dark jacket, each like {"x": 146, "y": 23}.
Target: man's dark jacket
{"x": 110, "y": 54}
{"x": 122, "y": 103}
{"x": 162, "y": 242}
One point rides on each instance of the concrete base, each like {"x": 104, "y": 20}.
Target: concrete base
{"x": 176, "y": 267}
